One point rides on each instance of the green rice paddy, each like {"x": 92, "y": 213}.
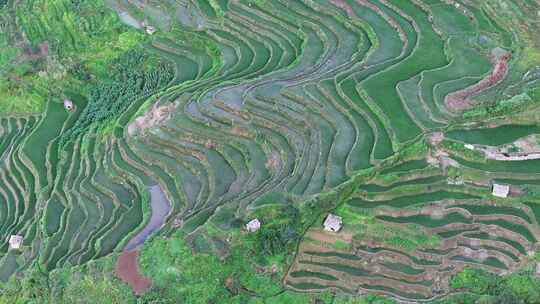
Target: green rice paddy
{"x": 234, "y": 107}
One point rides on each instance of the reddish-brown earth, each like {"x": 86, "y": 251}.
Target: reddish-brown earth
{"x": 460, "y": 100}
{"x": 344, "y": 6}
{"x": 127, "y": 269}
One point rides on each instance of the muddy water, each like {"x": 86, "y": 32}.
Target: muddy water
{"x": 160, "y": 209}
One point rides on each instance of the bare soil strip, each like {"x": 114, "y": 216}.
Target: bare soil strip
{"x": 460, "y": 100}
{"x": 127, "y": 269}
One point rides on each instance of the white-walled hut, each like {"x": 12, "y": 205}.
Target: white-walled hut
{"x": 499, "y": 190}
{"x": 333, "y": 223}
{"x": 253, "y": 225}
{"x": 15, "y": 241}
{"x": 150, "y": 30}
{"x": 68, "y": 105}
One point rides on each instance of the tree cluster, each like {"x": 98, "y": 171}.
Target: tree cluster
{"x": 132, "y": 78}
{"x": 280, "y": 234}
{"x": 521, "y": 287}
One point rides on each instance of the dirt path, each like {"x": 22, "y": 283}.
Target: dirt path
{"x": 127, "y": 269}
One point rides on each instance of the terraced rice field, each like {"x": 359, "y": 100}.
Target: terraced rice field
{"x": 466, "y": 232}
{"x": 294, "y": 97}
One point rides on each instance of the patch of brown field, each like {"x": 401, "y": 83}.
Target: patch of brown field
{"x": 344, "y": 6}
{"x": 329, "y": 237}
{"x": 127, "y": 270}
{"x": 155, "y": 116}
{"x": 436, "y": 138}
{"x": 273, "y": 162}
{"x": 460, "y": 100}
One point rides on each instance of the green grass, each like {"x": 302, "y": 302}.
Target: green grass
{"x": 490, "y": 209}
{"x": 494, "y": 136}
{"x": 428, "y": 221}
{"x": 19, "y": 100}
{"x": 526, "y": 166}
{"x": 405, "y": 201}
{"x": 403, "y": 268}
{"x": 407, "y": 166}
{"x": 338, "y": 267}
{"x": 320, "y": 275}
{"x": 333, "y": 254}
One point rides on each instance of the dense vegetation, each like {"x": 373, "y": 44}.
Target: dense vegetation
{"x": 66, "y": 49}
{"x": 132, "y": 77}
{"x": 521, "y": 287}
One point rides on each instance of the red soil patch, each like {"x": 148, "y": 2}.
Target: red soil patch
{"x": 127, "y": 269}
{"x": 344, "y": 6}
{"x": 155, "y": 116}
{"x": 459, "y": 100}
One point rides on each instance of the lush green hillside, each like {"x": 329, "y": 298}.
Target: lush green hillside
{"x": 192, "y": 118}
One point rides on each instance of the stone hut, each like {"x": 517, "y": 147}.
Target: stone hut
{"x": 333, "y": 223}
{"x": 15, "y": 241}
{"x": 500, "y": 190}
{"x": 253, "y": 225}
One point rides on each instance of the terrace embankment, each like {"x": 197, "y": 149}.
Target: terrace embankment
{"x": 409, "y": 230}
{"x": 497, "y": 238}
{"x": 288, "y": 96}
{"x": 277, "y": 96}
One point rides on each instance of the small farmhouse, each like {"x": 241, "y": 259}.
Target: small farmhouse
{"x": 253, "y": 225}
{"x": 500, "y": 190}
{"x": 68, "y": 105}
{"x": 333, "y": 223}
{"x": 150, "y": 30}
{"x": 15, "y": 241}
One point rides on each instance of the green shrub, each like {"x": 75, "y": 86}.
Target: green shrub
{"x": 473, "y": 280}
{"x": 276, "y": 239}
{"x": 133, "y": 76}
{"x": 520, "y": 287}
{"x": 179, "y": 274}
{"x": 369, "y": 299}
{"x": 524, "y": 287}
{"x": 341, "y": 245}
{"x": 88, "y": 290}
{"x": 506, "y": 106}
{"x": 93, "y": 283}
